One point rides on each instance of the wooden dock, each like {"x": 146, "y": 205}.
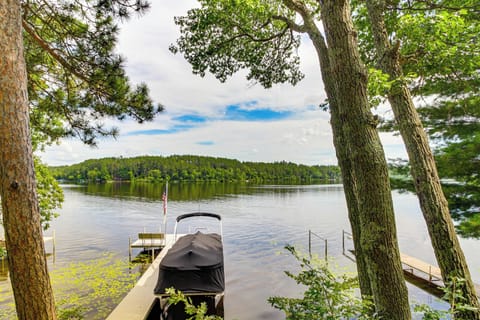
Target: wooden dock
{"x": 414, "y": 267}
{"x": 431, "y": 274}
{"x": 147, "y": 241}
{"x": 138, "y": 302}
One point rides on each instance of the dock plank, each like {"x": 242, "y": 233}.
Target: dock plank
{"x": 148, "y": 243}
{"x": 433, "y": 272}
{"x": 412, "y": 264}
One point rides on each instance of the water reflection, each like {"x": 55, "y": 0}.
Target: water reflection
{"x": 463, "y": 201}
{"x": 184, "y": 191}
{"x": 154, "y": 191}
{"x": 257, "y": 222}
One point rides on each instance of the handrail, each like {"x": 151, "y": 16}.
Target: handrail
{"x": 197, "y": 214}
{"x": 343, "y": 239}
{"x": 310, "y": 233}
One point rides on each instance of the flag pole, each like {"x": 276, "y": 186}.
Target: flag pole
{"x": 165, "y": 206}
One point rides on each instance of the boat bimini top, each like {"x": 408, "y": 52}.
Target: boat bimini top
{"x": 194, "y": 264}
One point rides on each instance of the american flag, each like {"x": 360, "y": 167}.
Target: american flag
{"x": 164, "y": 199}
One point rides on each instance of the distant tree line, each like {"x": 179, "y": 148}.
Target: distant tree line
{"x": 192, "y": 168}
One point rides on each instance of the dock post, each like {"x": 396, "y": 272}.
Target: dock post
{"x": 326, "y": 250}
{"x": 310, "y": 243}
{"x": 129, "y": 249}
{"x": 54, "y": 246}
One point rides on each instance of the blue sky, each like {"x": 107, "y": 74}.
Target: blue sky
{"x": 231, "y": 113}
{"x": 205, "y": 117}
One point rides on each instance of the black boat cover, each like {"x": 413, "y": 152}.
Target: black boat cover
{"x": 194, "y": 264}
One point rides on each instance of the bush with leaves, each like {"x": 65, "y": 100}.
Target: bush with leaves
{"x": 332, "y": 297}
{"x": 327, "y": 296}
{"x": 454, "y": 296}
{"x": 195, "y": 312}
{"x": 50, "y": 195}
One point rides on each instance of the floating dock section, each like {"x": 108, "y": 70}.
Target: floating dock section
{"x": 414, "y": 267}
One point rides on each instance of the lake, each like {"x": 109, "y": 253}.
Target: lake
{"x": 258, "y": 220}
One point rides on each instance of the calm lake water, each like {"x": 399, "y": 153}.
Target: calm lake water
{"x": 257, "y": 222}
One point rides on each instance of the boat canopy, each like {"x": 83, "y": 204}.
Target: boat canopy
{"x": 194, "y": 264}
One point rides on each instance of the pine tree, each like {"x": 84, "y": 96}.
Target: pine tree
{"x": 21, "y": 218}
{"x": 59, "y": 72}
{"x": 75, "y": 77}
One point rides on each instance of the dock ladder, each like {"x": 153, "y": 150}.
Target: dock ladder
{"x": 325, "y": 240}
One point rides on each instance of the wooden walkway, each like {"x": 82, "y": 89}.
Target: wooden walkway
{"x": 415, "y": 267}
{"x": 433, "y": 274}
{"x": 138, "y": 302}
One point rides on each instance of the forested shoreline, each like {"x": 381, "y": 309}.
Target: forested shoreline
{"x": 191, "y": 168}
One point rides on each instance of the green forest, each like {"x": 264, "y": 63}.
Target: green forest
{"x": 192, "y": 168}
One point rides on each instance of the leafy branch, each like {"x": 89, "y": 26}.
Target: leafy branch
{"x": 195, "y": 312}
{"x": 327, "y": 296}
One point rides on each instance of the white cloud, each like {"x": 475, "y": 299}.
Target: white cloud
{"x": 246, "y": 141}
{"x": 304, "y": 137}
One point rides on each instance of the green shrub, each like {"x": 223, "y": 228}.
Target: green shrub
{"x": 196, "y": 312}
{"x": 454, "y": 296}
{"x": 327, "y": 296}
{"x": 332, "y": 297}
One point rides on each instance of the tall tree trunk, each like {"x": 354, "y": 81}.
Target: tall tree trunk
{"x": 339, "y": 139}
{"x": 350, "y": 190}
{"x": 378, "y": 232}
{"x": 433, "y": 203}
{"x": 21, "y": 217}
{"x": 343, "y": 156}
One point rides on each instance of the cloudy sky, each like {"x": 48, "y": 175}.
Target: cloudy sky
{"x": 235, "y": 119}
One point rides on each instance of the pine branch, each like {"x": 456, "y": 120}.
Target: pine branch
{"x": 44, "y": 45}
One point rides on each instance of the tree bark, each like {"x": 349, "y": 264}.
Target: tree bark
{"x": 343, "y": 156}
{"x": 350, "y": 190}
{"x": 368, "y": 164}
{"x": 21, "y": 218}
{"x": 387, "y": 288}
{"x": 433, "y": 203}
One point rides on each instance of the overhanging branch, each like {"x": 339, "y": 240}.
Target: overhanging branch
{"x": 44, "y": 45}
{"x": 291, "y": 24}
